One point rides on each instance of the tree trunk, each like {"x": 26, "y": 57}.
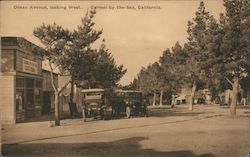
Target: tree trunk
{"x": 56, "y": 96}
{"x": 57, "y": 113}
{"x": 191, "y": 103}
{"x": 173, "y": 101}
{"x": 154, "y": 99}
{"x": 72, "y": 89}
{"x": 234, "y": 96}
{"x": 161, "y": 97}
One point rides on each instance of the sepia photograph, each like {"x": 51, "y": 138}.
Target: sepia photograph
{"x": 125, "y": 78}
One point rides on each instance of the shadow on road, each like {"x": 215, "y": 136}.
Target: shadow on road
{"x": 124, "y": 147}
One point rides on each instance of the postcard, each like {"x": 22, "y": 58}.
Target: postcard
{"x": 124, "y": 78}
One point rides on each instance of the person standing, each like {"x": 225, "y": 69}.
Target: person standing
{"x": 83, "y": 112}
{"x": 128, "y": 109}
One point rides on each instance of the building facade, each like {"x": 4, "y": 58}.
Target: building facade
{"x": 21, "y": 80}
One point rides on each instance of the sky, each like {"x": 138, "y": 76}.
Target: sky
{"x": 135, "y": 32}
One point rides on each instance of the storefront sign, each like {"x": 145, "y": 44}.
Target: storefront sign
{"x": 30, "y": 66}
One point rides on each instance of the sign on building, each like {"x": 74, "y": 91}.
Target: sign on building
{"x": 30, "y": 66}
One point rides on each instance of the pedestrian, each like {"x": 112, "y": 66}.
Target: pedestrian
{"x": 83, "y": 112}
{"x": 128, "y": 109}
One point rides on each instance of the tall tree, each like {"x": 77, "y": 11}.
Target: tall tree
{"x": 172, "y": 63}
{"x": 83, "y": 37}
{"x": 227, "y": 46}
{"x": 66, "y": 49}
{"x": 54, "y": 38}
{"x": 235, "y": 46}
{"x": 150, "y": 81}
{"x": 167, "y": 66}
{"x": 196, "y": 50}
{"x": 214, "y": 63}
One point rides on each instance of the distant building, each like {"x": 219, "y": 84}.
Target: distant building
{"x": 65, "y": 95}
{"x": 25, "y": 87}
{"x": 180, "y": 99}
{"x": 200, "y": 96}
{"x": 183, "y": 96}
{"x": 48, "y": 92}
{"x": 226, "y": 97}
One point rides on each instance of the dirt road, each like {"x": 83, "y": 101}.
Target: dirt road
{"x": 208, "y": 131}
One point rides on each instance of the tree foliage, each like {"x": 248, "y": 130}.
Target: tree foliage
{"x": 172, "y": 62}
{"x": 148, "y": 78}
{"x": 106, "y": 73}
{"x": 71, "y": 53}
{"x": 216, "y": 55}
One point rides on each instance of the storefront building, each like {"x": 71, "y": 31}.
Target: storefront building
{"x": 21, "y": 80}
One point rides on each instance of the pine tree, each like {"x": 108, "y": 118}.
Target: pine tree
{"x": 171, "y": 64}
{"x": 235, "y": 46}
{"x": 149, "y": 81}
{"x": 196, "y": 50}
{"x": 106, "y": 72}
{"x": 65, "y": 50}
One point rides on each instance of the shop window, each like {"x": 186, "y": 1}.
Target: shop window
{"x": 29, "y": 83}
{"x": 37, "y": 98}
{"x": 19, "y": 99}
{"x": 38, "y": 84}
{"x": 19, "y": 82}
{"x": 7, "y": 61}
{"x": 30, "y": 98}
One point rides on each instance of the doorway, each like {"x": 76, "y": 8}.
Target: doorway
{"x": 30, "y": 112}
{"x": 46, "y": 103}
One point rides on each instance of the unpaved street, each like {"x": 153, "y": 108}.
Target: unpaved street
{"x": 208, "y": 131}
